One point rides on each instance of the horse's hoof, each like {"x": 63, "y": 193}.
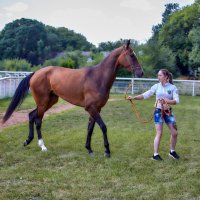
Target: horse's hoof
{"x": 44, "y": 148}
{"x": 91, "y": 154}
{"x": 25, "y": 143}
{"x": 107, "y": 155}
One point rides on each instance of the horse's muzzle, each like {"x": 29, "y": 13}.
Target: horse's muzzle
{"x": 139, "y": 73}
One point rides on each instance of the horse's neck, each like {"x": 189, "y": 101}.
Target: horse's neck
{"x": 108, "y": 67}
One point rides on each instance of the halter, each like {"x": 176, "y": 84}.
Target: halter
{"x": 132, "y": 66}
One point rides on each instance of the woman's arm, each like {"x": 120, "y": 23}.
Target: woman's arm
{"x": 145, "y": 95}
{"x": 138, "y": 97}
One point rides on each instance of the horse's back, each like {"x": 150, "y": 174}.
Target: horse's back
{"x": 55, "y": 74}
{"x": 64, "y": 82}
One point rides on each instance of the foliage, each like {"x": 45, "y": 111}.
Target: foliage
{"x": 174, "y": 44}
{"x": 72, "y": 60}
{"x": 96, "y": 58}
{"x": 60, "y": 39}
{"x": 15, "y": 65}
{"x": 66, "y": 171}
{"x": 175, "y": 35}
{"x": 109, "y": 46}
{"x": 194, "y": 55}
{"x": 32, "y": 40}
{"x": 25, "y": 39}
{"x": 156, "y": 56}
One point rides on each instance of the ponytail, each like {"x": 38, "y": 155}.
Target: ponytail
{"x": 168, "y": 74}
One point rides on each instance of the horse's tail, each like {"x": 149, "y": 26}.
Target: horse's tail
{"x": 20, "y": 94}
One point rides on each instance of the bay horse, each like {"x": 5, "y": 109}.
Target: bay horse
{"x": 87, "y": 87}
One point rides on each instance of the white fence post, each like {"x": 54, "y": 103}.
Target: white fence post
{"x": 193, "y": 94}
{"x": 132, "y": 84}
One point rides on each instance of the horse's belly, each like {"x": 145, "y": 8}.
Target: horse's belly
{"x": 72, "y": 97}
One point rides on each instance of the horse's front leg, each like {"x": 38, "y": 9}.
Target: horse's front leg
{"x": 91, "y": 124}
{"x": 96, "y": 116}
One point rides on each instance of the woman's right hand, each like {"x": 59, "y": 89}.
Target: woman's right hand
{"x": 129, "y": 98}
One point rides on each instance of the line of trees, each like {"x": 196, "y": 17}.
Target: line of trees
{"x": 175, "y": 44}
{"x": 32, "y": 40}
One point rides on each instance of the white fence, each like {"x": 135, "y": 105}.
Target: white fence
{"x": 140, "y": 85}
{"x": 10, "y": 81}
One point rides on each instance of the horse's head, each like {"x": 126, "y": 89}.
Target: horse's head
{"x": 128, "y": 60}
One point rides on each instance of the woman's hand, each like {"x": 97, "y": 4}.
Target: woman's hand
{"x": 138, "y": 97}
{"x": 129, "y": 98}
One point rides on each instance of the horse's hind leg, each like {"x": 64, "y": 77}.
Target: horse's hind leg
{"x": 38, "y": 120}
{"x": 32, "y": 116}
{"x": 38, "y": 124}
{"x": 91, "y": 124}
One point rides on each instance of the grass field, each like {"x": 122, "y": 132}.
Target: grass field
{"x": 66, "y": 171}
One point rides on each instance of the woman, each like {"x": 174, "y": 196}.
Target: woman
{"x": 166, "y": 95}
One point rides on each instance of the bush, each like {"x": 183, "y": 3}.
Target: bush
{"x": 15, "y": 65}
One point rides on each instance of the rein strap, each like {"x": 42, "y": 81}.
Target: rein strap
{"x": 138, "y": 115}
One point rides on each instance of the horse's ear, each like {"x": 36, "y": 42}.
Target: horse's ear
{"x": 128, "y": 43}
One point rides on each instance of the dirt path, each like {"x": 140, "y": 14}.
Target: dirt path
{"x": 22, "y": 116}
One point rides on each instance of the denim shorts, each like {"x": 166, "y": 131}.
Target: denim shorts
{"x": 159, "y": 119}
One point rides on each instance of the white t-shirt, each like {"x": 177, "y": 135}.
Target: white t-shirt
{"x": 167, "y": 92}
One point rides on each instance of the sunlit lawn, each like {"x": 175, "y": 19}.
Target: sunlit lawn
{"x": 66, "y": 171}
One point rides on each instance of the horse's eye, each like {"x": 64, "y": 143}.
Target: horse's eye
{"x": 132, "y": 55}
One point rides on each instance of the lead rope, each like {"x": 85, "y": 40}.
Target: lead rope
{"x": 137, "y": 113}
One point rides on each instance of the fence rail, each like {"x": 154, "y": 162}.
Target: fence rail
{"x": 140, "y": 85}
{"x": 10, "y": 81}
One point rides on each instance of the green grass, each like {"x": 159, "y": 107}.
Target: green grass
{"x": 66, "y": 171}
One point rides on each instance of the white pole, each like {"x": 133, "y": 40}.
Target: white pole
{"x": 193, "y": 93}
{"x": 132, "y": 85}
{"x": 4, "y": 88}
{"x": 10, "y": 88}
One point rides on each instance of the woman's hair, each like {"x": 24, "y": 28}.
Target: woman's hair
{"x": 168, "y": 75}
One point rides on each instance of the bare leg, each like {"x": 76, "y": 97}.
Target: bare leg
{"x": 159, "y": 130}
{"x": 174, "y": 135}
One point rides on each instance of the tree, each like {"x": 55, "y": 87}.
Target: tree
{"x": 32, "y": 40}
{"x": 155, "y": 55}
{"x": 169, "y": 10}
{"x": 194, "y": 55}
{"x": 174, "y": 35}
{"x": 17, "y": 40}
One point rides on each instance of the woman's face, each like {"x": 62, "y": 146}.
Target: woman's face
{"x": 161, "y": 77}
